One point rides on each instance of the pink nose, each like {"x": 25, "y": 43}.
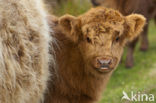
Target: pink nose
{"x": 101, "y": 62}
{"x": 104, "y": 61}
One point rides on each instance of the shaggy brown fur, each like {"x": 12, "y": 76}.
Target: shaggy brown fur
{"x": 126, "y": 7}
{"x": 24, "y": 42}
{"x": 86, "y": 44}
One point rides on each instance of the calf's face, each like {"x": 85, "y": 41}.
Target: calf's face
{"x": 102, "y": 45}
{"x": 101, "y": 34}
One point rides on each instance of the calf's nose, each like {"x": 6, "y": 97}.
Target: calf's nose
{"x": 104, "y": 64}
{"x": 104, "y": 61}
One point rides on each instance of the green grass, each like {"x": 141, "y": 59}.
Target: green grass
{"x": 142, "y": 77}
{"x": 75, "y": 8}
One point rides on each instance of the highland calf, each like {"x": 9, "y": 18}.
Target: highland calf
{"x": 24, "y": 47}
{"x": 90, "y": 48}
{"x": 126, "y": 7}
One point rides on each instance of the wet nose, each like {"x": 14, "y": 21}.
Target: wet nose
{"x": 102, "y": 62}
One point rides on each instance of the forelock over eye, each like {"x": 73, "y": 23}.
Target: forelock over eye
{"x": 87, "y": 30}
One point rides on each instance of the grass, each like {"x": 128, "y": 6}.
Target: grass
{"x": 75, "y": 8}
{"x": 142, "y": 77}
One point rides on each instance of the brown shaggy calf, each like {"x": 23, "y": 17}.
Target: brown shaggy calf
{"x": 126, "y": 7}
{"x": 90, "y": 48}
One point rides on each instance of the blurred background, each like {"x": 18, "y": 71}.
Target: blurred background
{"x": 140, "y": 78}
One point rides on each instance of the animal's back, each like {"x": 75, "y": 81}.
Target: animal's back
{"x": 24, "y": 40}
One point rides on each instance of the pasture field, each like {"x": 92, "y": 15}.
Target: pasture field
{"x": 141, "y": 78}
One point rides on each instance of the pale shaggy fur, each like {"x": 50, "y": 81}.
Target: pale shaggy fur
{"x": 24, "y": 42}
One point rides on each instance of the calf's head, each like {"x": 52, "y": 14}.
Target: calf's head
{"x": 100, "y": 35}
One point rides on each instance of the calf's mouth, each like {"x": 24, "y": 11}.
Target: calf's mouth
{"x": 104, "y": 69}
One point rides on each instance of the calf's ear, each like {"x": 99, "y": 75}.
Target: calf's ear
{"x": 134, "y": 25}
{"x": 71, "y": 26}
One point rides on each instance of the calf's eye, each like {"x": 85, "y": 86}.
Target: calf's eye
{"x": 117, "y": 39}
{"x": 117, "y": 36}
{"x": 88, "y": 40}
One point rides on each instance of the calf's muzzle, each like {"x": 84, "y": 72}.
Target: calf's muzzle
{"x": 103, "y": 63}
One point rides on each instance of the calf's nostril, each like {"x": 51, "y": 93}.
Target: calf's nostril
{"x": 104, "y": 61}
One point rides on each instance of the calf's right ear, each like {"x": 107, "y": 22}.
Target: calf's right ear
{"x": 71, "y": 26}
